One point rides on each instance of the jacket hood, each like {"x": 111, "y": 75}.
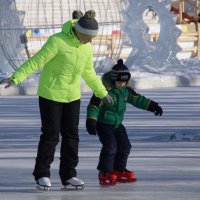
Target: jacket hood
{"x": 67, "y": 29}
{"x": 108, "y": 83}
{"x": 67, "y": 26}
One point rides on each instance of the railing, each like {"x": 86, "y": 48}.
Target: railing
{"x": 182, "y": 15}
{"x": 186, "y": 37}
{"x": 110, "y": 43}
{"x": 112, "y": 46}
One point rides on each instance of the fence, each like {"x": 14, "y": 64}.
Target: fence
{"x": 113, "y": 44}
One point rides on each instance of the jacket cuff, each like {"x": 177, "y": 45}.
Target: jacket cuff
{"x": 91, "y": 122}
{"x": 152, "y": 106}
{"x": 14, "y": 80}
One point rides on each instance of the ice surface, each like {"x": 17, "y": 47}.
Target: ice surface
{"x": 165, "y": 169}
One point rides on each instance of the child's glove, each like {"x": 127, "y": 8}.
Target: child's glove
{"x": 158, "y": 110}
{"x": 91, "y": 126}
{"x": 155, "y": 108}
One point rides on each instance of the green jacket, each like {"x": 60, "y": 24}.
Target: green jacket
{"x": 114, "y": 114}
{"x": 63, "y": 59}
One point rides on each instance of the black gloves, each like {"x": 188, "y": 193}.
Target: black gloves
{"x": 91, "y": 126}
{"x": 158, "y": 111}
{"x": 155, "y": 108}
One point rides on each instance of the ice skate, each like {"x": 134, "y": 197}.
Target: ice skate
{"x": 107, "y": 178}
{"x": 125, "y": 176}
{"x": 75, "y": 183}
{"x": 44, "y": 183}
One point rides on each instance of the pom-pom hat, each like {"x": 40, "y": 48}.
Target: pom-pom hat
{"x": 87, "y": 24}
{"x": 120, "y": 72}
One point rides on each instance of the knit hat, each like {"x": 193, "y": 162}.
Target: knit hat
{"x": 120, "y": 72}
{"x": 88, "y": 24}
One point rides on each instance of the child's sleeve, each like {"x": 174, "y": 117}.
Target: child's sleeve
{"x": 138, "y": 100}
{"x": 144, "y": 103}
{"x": 36, "y": 62}
{"x": 93, "y": 108}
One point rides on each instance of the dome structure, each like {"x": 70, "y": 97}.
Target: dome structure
{"x": 25, "y": 25}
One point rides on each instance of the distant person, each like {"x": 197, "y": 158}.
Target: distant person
{"x": 106, "y": 121}
{"x": 152, "y": 11}
{"x": 76, "y": 14}
{"x": 64, "y": 58}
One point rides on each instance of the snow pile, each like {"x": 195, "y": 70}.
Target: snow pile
{"x": 185, "y": 137}
{"x": 143, "y": 77}
{"x": 181, "y": 136}
{"x": 187, "y": 73}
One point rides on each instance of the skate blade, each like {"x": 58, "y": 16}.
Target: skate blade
{"x": 42, "y": 187}
{"x": 72, "y": 187}
{"x": 107, "y": 183}
{"x": 127, "y": 180}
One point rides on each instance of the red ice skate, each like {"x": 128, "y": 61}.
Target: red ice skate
{"x": 107, "y": 178}
{"x": 125, "y": 176}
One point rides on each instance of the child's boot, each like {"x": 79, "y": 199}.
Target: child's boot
{"x": 107, "y": 178}
{"x": 125, "y": 176}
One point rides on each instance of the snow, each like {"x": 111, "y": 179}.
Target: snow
{"x": 167, "y": 167}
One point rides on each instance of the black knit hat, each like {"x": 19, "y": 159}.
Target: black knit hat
{"x": 88, "y": 24}
{"x": 120, "y": 72}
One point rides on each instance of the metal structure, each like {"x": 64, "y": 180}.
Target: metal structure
{"x": 23, "y": 20}
{"x": 25, "y": 25}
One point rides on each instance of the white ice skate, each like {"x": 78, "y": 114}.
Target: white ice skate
{"x": 76, "y": 183}
{"x": 44, "y": 183}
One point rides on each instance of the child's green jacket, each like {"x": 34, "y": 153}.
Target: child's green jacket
{"x": 114, "y": 114}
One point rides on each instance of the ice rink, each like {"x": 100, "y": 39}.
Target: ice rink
{"x": 166, "y": 169}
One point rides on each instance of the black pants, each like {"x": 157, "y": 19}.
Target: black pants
{"x": 58, "y": 118}
{"x": 116, "y": 147}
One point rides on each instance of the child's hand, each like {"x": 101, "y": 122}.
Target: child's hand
{"x": 91, "y": 126}
{"x": 158, "y": 111}
{"x": 155, "y": 108}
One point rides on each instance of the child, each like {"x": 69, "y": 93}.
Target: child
{"x": 106, "y": 121}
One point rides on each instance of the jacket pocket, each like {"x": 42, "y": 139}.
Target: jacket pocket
{"x": 109, "y": 117}
{"x": 57, "y": 81}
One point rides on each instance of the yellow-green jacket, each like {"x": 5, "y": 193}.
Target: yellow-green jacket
{"x": 63, "y": 59}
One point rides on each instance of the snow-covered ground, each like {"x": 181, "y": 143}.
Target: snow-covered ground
{"x": 165, "y": 153}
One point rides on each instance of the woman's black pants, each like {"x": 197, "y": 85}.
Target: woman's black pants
{"x": 58, "y": 118}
